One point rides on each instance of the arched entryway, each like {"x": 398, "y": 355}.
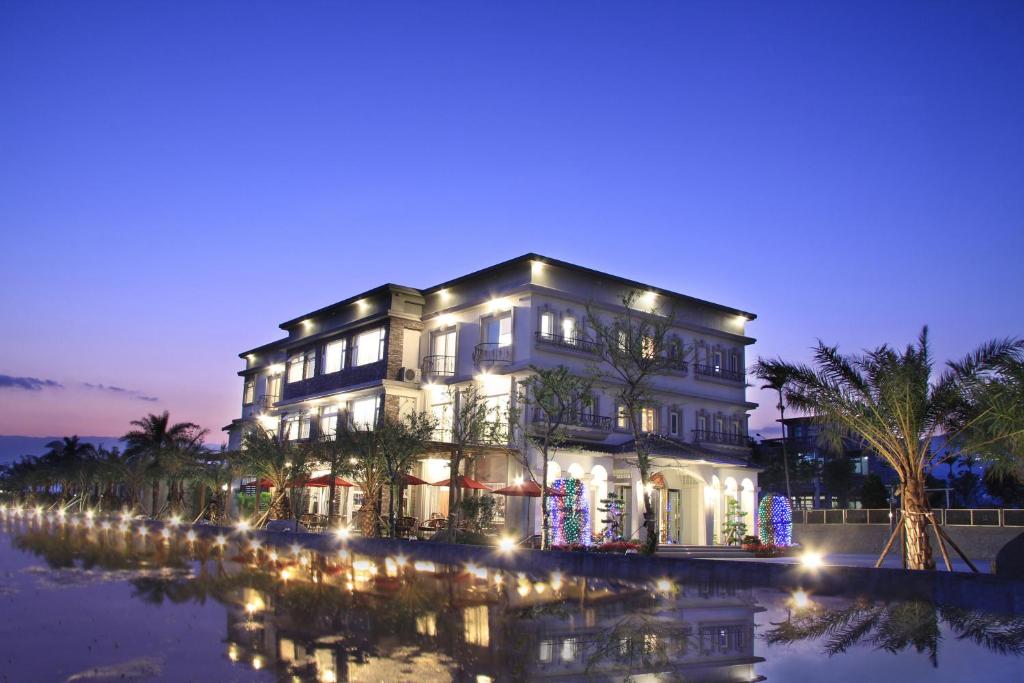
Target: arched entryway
{"x": 679, "y": 501}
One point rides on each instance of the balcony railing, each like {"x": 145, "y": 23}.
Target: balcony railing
{"x": 492, "y": 352}
{"x": 720, "y": 372}
{"x": 706, "y": 436}
{"x": 678, "y": 365}
{"x": 578, "y": 419}
{"x": 571, "y": 343}
{"x": 267, "y": 401}
{"x": 438, "y": 366}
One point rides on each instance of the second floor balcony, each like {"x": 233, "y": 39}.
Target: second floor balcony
{"x": 719, "y": 372}
{"x": 438, "y": 366}
{"x": 580, "y": 419}
{"x": 492, "y": 353}
{"x": 725, "y": 438}
{"x": 569, "y": 343}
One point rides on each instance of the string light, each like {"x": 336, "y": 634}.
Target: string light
{"x": 775, "y": 526}
{"x": 569, "y": 513}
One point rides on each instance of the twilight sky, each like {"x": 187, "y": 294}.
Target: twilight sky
{"x": 178, "y": 178}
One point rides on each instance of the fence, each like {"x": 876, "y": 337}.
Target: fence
{"x": 993, "y": 517}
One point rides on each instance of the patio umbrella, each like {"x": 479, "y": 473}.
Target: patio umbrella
{"x": 324, "y": 481}
{"x": 530, "y": 489}
{"x": 411, "y": 480}
{"x": 463, "y": 482}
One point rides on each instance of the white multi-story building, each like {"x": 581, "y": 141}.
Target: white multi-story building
{"x": 395, "y": 348}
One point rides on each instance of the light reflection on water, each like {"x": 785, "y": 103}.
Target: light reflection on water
{"x": 291, "y": 614}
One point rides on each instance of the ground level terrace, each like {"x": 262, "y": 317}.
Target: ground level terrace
{"x": 691, "y": 496}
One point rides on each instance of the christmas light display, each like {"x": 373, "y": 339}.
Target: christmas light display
{"x": 775, "y": 526}
{"x": 570, "y": 514}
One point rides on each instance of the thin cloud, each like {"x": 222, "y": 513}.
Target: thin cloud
{"x": 130, "y": 393}
{"x": 28, "y": 383}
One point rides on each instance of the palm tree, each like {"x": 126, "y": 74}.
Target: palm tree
{"x": 995, "y": 413}
{"x": 887, "y": 399}
{"x": 777, "y": 382}
{"x": 165, "y": 449}
{"x": 69, "y": 459}
{"x": 283, "y": 464}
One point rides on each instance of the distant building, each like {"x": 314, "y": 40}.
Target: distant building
{"x": 809, "y": 461}
{"x": 396, "y": 348}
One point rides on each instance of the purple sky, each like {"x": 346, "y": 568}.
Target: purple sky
{"x": 175, "y": 180}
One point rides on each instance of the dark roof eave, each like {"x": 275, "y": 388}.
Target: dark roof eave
{"x": 387, "y": 287}
{"x": 591, "y": 272}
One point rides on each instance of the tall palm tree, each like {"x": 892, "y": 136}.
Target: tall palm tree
{"x": 69, "y": 460}
{"x": 164, "y": 448}
{"x": 888, "y": 400}
{"x": 775, "y": 380}
{"x": 995, "y": 413}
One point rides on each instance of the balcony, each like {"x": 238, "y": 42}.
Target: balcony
{"x": 438, "y": 366}
{"x": 578, "y": 419}
{"x": 706, "y": 436}
{"x": 678, "y": 365}
{"x": 719, "y": 372}
{"x": 267, "y": 401}
{"x": 492, "y": 353}
{"x": 570, "y": 343}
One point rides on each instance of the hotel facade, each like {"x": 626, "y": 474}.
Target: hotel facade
{"x": 395, "y": 348}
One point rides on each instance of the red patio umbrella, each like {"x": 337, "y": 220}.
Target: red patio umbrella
{"x": 411, "y": 480}
{"x": 324, "y": 481}
{"x": 530, "y": 489}
{"x": 463, "y": 482}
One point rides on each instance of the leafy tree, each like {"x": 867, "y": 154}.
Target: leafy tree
{"x": 873, "y": 494}
{"x": 1005, "y": 486}
{"x": 554, "y": 398}
{"x": 734, "y": 528}
{"x": 887, "y": 399}
{"x": 633, "y": 348}
{"x": 992, "y": 422}
{"x": 402, "y": 439}
{"x": 70, "y": 461}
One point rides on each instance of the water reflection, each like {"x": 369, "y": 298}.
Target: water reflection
{"x": 896, "y": 627}
{"x": 295, "y": 614}
{"x": 355, "y": 617}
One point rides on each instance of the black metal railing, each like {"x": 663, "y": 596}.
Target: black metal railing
{"x": 580, "y": 419}
{"x": 707, "y": 436}
{"x": 438, "y": 366}
{"x": 563, "y": 342}
{"x": 678, "y": 364}
{"x": 720, "y": 372}
{"x": 492, "y": 352}
{"x": 267, "y": 401}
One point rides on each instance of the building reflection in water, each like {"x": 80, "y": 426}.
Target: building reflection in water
{"x": 350, "y": 617}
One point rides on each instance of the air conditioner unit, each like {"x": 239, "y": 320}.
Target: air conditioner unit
{"x": 410, "y": 375}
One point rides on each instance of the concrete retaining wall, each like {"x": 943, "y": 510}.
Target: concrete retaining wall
{"x": 980, "y": 543}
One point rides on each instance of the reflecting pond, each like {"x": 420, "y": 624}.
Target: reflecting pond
{"x": 98, "y": 600}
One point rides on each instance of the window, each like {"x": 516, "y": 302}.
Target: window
{"x": 734, "y": 360}
{"x": 718, "y": 425}
{"x": 499, "y": 330}
{"x": 620, "y": 418}
{"x": 673, "y": 424}
{"x": 442, "y": 414}
{"x": 364, "y": 412}
{"x": 648, "y": 420}
{"x": 736, "y": 427}
{"x": 546, "y": 649}
{"x": 716, "y": 361}
{"x": 426, "y": 625}
{"x": 647, "y": 347}
{"x": 274, "y": 388}
{"x": 334, "y": 356}
{"x": 301, "y": 366}
{"x": 249, "y": 393}
{"x": 329, "y": 421}
{"x": 369, "y": 347}
{"x": 547, "y": 325}
{"x": 442, "y": 346}
{"x": 568, "y": 650}
{"x": 569, "y": 329}
{"x": 296, "y": 427}
{"x": 702, "y": 424}
{"x": 497, "y": 415}
{"x": 475, "y": 621}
